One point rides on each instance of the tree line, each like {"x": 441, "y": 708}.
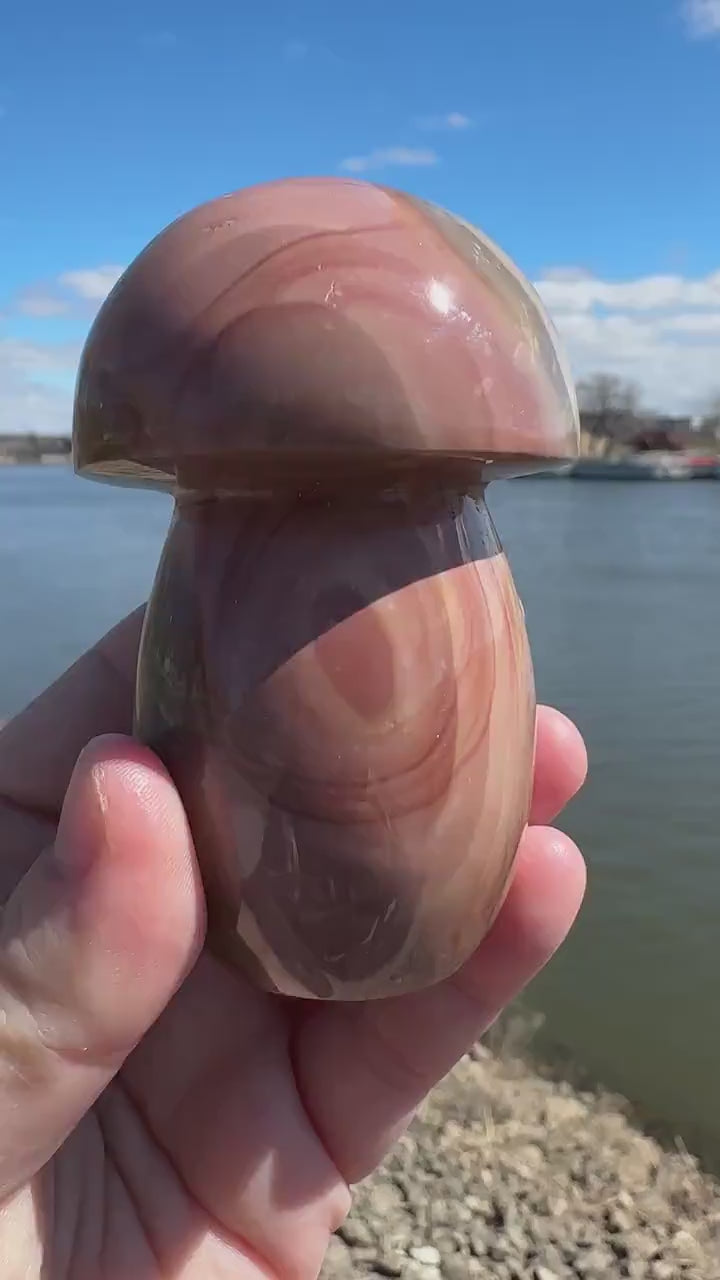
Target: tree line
{"x": 612, "y": 407}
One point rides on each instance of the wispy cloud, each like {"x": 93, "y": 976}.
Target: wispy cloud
{"x": 662, "y": 332}
{"x": 91, "y": 283}
{"x": 36, "y": 378}
{"x": 390, "y": 158}
{"x": 36, "y": 385}
{"x": 39, "y": 358}
{"x": 453, "y": 120}
{"x": 79, "y": 290}
{"x": 702, "y": 17}
{"x": 574, "y": 290}
{"x": 40, "y": 303}
{"x": 566, "y": 275}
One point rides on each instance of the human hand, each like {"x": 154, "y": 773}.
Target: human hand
{"x": 160, "y": 1119}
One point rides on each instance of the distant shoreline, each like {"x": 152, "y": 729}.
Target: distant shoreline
{"x": 599, "y": 457}
{"x": 32, "y": 449}
{"x": 45, "y": 460}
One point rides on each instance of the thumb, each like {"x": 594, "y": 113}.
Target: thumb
{"x": 93, "y": 944}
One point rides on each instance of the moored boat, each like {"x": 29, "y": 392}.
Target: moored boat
{"x": 647, "y": 466}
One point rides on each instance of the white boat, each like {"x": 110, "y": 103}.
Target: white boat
{"x": 647, "y": 466}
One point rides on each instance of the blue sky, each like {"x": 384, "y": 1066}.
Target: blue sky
{"x": 580, "y": 135}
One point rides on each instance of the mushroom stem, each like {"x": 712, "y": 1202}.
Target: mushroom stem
{"x": 342, "y": 688}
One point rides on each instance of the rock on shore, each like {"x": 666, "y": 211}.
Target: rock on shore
{"x": 506, "y": 1175}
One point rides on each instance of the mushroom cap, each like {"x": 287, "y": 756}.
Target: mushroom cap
{"x": 313, "y": 322}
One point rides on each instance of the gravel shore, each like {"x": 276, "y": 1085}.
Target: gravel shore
{"x": 511, "y": 1176}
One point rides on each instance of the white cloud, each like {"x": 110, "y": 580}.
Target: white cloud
{"x": 40, "y": 304}
{"x": 36, "y": 378}
{"x": 35, "y": 385}
{"x": 71, "y": 291}
{"x": 389, "y": 158}
{"x": 663, "y": 332}
{"x": 651, "y": 293}
{"x": 92, "y": 284}
{"x": 702, "y": 17}
{"x": 701, "y": 322}
{"x": 38, "y": 357}
{"x": 567, "y": 275}
{"x": 450, "y": 120}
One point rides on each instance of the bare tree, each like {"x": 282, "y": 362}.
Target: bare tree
{"x": 711, "y": 417}
{"x": 605, "y": 393}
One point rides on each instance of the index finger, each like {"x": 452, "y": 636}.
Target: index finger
{"x": 39, "y": 747}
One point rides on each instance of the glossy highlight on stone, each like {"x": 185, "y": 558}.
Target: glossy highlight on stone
{"x": 334, "y": 665}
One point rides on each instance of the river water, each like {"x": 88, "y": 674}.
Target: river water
{"x": 621, "y": 583}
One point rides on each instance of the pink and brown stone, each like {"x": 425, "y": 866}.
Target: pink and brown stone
{"x": 334, "y": 664}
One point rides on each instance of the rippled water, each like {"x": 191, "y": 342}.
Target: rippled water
{"x": 621, "y": 584}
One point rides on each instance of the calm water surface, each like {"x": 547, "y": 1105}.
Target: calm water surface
{"x": 621, "y": 584}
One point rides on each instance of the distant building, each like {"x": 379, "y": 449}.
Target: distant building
{"x": 643, "y": 433}
{"x": 654, "y": 440}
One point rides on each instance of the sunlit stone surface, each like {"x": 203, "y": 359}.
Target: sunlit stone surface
{"x": 334, "y": 664}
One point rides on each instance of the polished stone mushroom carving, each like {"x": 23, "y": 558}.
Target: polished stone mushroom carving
{"x": 334, "y": 665}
